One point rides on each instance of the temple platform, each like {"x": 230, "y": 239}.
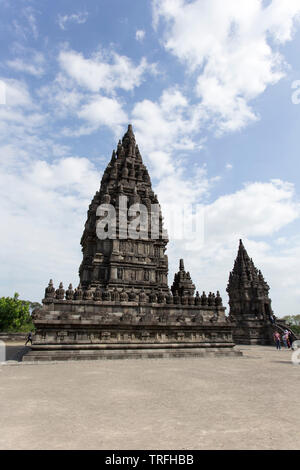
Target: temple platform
{"x": 73, "y": 330}
{"x": 128, "y": 351}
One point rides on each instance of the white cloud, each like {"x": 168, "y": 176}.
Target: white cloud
{"x": 78, "y": 18}
{"x": 104, "y": 71}
{"x": 29, "y": 26}
{"x": 22, "y": 128}
{"x": 62, "y": 96}
{"x": 103, "y": 111}
{"x": 45, "y": 191}
{"x": 20, "y": 117}
{"x": 17, "y": 94}
{"x": 44, "y": 213}
{"x": 257, "y": 210}
{"x": 227, "y": 47}
{"x": 280, "y": 18}
{"x": 229, "y": 166}
{"x": 166, "y": 124}
{"x": 281, "y": 267}
{"x": 66, "y": 176}
{"x": 140, "y": 35}
{"x": 33, "y": 64}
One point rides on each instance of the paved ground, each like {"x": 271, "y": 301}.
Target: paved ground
{"x": 217, "y": 403}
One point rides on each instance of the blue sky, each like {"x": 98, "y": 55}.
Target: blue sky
{"x": 207, "y": 85}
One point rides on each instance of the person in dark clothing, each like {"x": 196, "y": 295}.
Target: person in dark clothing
{"x": 289, "y": 339}
{"x": 29, "y": 338}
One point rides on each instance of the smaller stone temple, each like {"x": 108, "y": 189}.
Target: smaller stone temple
{"x": 250, "y": 305}
{"x": 183, "y": 284}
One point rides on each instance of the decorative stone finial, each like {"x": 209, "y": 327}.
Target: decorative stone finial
{"x": 131, "y": 295}
{"x": 123, "y": 296}
{"x": 142, "y": 296}
{"x": 152, "y": 296}
{"x": 218, "y": 300}
{"x": 70, "y": 293}
{"x": 88, "y": 294}
{"x": 60, "y": 292}
{"x": 50, "y": 290}
{"x": 197, "y": 299}
{"x": 204, "y": 299}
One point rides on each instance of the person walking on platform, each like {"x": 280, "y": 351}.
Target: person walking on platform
{"x": 29, "y": 338}
{"x": 288, "y": 338}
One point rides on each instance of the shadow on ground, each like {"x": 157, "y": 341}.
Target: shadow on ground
{"x": 16, "y": 353}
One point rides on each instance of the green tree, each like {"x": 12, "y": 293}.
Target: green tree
{"x": 294, "y": 322}
{"x": 15, "y": 314}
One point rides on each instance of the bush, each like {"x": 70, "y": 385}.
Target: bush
{"x": 296, "y": 329}
{"x": 15, "y": 314}
{"x": 294, "y": 322}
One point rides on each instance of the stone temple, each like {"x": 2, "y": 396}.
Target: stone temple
{"x": 123, "y": 306}
{"x": 250, "y": 305}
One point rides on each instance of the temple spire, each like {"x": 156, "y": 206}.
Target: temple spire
{"x": 128, "y": 142}
{"x": 244, "y": 268}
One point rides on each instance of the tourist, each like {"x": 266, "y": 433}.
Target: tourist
{"x": 289, "y": 339}
{"x": 284, "y": 340}
{"x": 277, "y": 340}
{"x": 29, "y": 338}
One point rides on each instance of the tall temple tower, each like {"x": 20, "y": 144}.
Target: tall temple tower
{"x": 123, "y": 262}
{"x": 250, "y": 305}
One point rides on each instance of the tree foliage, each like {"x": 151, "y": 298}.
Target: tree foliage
{"x": 294, "y": 322}
{"x": 15, "y": 314}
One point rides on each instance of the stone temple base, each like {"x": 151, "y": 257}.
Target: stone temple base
{"x": 127, "y": 351}
{"x": 253, "y": 332}
{"x": 72, "y": 330}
